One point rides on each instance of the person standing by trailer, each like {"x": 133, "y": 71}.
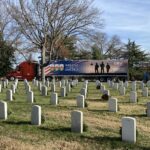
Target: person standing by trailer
{"x": 107, "y": 68}
{"x": 102, "y": 67}
{"x": 96, "y": 67}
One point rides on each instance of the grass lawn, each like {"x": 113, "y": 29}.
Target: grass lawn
{"x": 16, "y": 133}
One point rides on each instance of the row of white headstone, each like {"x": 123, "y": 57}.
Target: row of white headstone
{"x": 122, "y": 89}
{"x": 65, "y": 86}
{"x": 128, "y": 123}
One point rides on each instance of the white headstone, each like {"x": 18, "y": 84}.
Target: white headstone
{"x": 129, "y": 129}
{"x": 63, "y": 84}
{"x": 36, "y": 115}
{"x": 77, "y": 121}
{"x": 126, "y": 84}
{"x": 4, "y": 84}
{"x": 86, "y": 81}
{"x": 36, "y": 83}
{"x": 28, "y": 88}
{"x": 3, "y": 110}
{"x": 7, "y": 82}
{"x": 133, "y": 97}
{"x": 133, "y": 86}
{"x": 44, "y": 90}
{"x": 113, "y": 104}
{"x": 66, "y": 81}
{"x": 68, "y": 88}
{"x": 148, "y": 83}
{"x": 54, "y": 99}
{"x": 148, "y": 109}
{"x": 25, "y": 81}
{"x": 80, "y": 101}
{"x": 83, "y": 92}
{"x": 115, "y": 86}
{"x": 53, "y": 89}
{"x": 142, "y": 85}
{"x": 106, "y": 92}
{"x": 59, "y": 83}
{"x": 111, "y": 84}
{"x": 47, "y": 83}
{"x": 108, "y": 82}
{"x": 122, "y": 90}
{"x": 9, "y": 95}
{"x": 30, "y": 97}
{"x": 97, "y": 83}
{"x": 16, "y": 84}
{"x": 33, "y": 81}
{"x": 145, "y": 92}
{"x": 63, "y": 91}
{"x": 102, "y": 88}
{"x": 13, "y": 88}
{"x": 39, "y": 86}
{"x": 121, "y": 83}
{"x": 53, "y": 80}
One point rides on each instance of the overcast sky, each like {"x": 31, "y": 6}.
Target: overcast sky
{"x": 127, "y": 19}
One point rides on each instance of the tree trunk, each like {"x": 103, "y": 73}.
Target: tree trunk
{"x": 42, "y": 63}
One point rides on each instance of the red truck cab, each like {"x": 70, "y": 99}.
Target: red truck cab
{"x": 25, "y": 70}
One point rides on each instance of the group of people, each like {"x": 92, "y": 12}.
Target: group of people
{"x": 102, "y": 66}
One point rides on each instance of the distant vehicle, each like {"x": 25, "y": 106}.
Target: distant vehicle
{"x": 102, "y": 69}
{"x": 25, "y": 70}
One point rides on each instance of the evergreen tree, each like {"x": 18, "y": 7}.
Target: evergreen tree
{"x": 134, "y": 55}
{"x": 96, "y": 54}
{"x": 6, "y": 57}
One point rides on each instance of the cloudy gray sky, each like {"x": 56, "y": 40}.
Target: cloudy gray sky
{"x": 127, "y": 19}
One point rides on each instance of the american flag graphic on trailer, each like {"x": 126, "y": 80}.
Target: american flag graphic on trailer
{"x": 47, "y": 69}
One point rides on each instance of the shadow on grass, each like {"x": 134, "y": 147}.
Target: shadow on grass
{"x": 94, "y": 100}
{"x": 60, "y": 129}
{"x": 135, "y": 115}
{"x": 18, "y": 122}
{"x": 116, "y": 142}
{"x": 98, "y": 111}
{"x": 76, "y": 92}
{"x": 18, "y": 102}
{"x": 67, "y": 107}
{"x": 101, "y": 139}
{"x": 138, "y": 115}
{"x": 127, "y": 102}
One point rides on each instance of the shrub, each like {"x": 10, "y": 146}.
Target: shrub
{"x": 105, "y": 97}
{"x": 98, "y": 87}
{"x": 86, "y": 104}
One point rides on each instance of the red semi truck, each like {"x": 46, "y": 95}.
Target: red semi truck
{"x": 25, "y": 70}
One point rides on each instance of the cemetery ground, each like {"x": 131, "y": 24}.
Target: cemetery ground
{"x": 102, "y": 127}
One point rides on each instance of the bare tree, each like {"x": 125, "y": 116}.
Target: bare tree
{"x": 44, "y": 23}
{"x": 115, "y": 47}
{"x": 100, "y": 39}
